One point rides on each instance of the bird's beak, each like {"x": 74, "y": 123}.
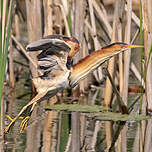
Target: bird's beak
{"x": 133, "y": 46}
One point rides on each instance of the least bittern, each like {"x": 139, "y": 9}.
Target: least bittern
{"x": 57, "y": 71}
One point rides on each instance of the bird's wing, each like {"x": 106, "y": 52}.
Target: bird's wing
{"x": 48, "y": 42}
{"x": 53, "y": 56}
{"x": 53, "y": 44}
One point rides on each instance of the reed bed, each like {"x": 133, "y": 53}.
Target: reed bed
{"x": 126, "y": 82}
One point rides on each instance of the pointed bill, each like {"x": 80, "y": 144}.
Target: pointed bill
{"x": 133, "y": 46}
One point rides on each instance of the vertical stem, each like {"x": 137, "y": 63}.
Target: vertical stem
{"x": 148, "y": 135}
{"x": 147, "y": 21}
{"x": 111, "y": 65}
{"x": 95, "y": 39}
{"x": 77, "y": 31}
{"x": 75, "y": 132}
{"x": 121, "y": 74}
{"x": 111, "y": 68}
{"x": 11, "y": 67}
{"x": 34, "y": 26}
{"x": 141, "y": 55}
{"x": 108, "y": 129}
{"x": 5, "y": 29}
{"x": 121, "y": 7}
{"x": 127, "y": 54}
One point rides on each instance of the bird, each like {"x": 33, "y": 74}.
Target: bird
{"x": 57, "y": 72}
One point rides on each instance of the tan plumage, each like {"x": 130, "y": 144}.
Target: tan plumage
{"x": 55, "y": 64}
{"x": 80, "y": 70}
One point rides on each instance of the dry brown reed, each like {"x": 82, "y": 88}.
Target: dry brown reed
{"x": 94, "y": 25}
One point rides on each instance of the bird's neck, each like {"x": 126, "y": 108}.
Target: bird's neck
{"x": 80, "y": 70}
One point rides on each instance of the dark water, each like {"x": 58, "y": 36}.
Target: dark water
{"x": 58, "y": 131}
{"x": 94, "y": 135}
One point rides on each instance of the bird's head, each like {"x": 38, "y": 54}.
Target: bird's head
{"x": 116, "y": 47}
{"x": 73, "y": 44}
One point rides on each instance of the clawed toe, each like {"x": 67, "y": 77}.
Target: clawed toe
{"x": 23, "y": 124}
{"x": 10, "y": 124}
{"x": 8, "y": 117}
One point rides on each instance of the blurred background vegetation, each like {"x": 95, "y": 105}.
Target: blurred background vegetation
{"x": 95, "y": 23}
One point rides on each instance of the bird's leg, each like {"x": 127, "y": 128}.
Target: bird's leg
{"x": 23, "y": 124}
{"x": 34, "y": 100}
{"x": 34, "y": 104}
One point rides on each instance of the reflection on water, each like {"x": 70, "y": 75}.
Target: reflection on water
{"x": 54, "y": 131}
{"x": 94, "y": 135}
{"x": 72, "y": 132}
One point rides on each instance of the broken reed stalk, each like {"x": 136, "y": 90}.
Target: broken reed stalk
{"x": 64, "y": 18}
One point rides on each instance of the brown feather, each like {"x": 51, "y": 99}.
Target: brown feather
{"x": 95, "y": 59}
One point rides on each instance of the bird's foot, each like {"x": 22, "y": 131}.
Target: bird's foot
{"x": 10, "y": 124}
{"x": 24, "y": 123}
